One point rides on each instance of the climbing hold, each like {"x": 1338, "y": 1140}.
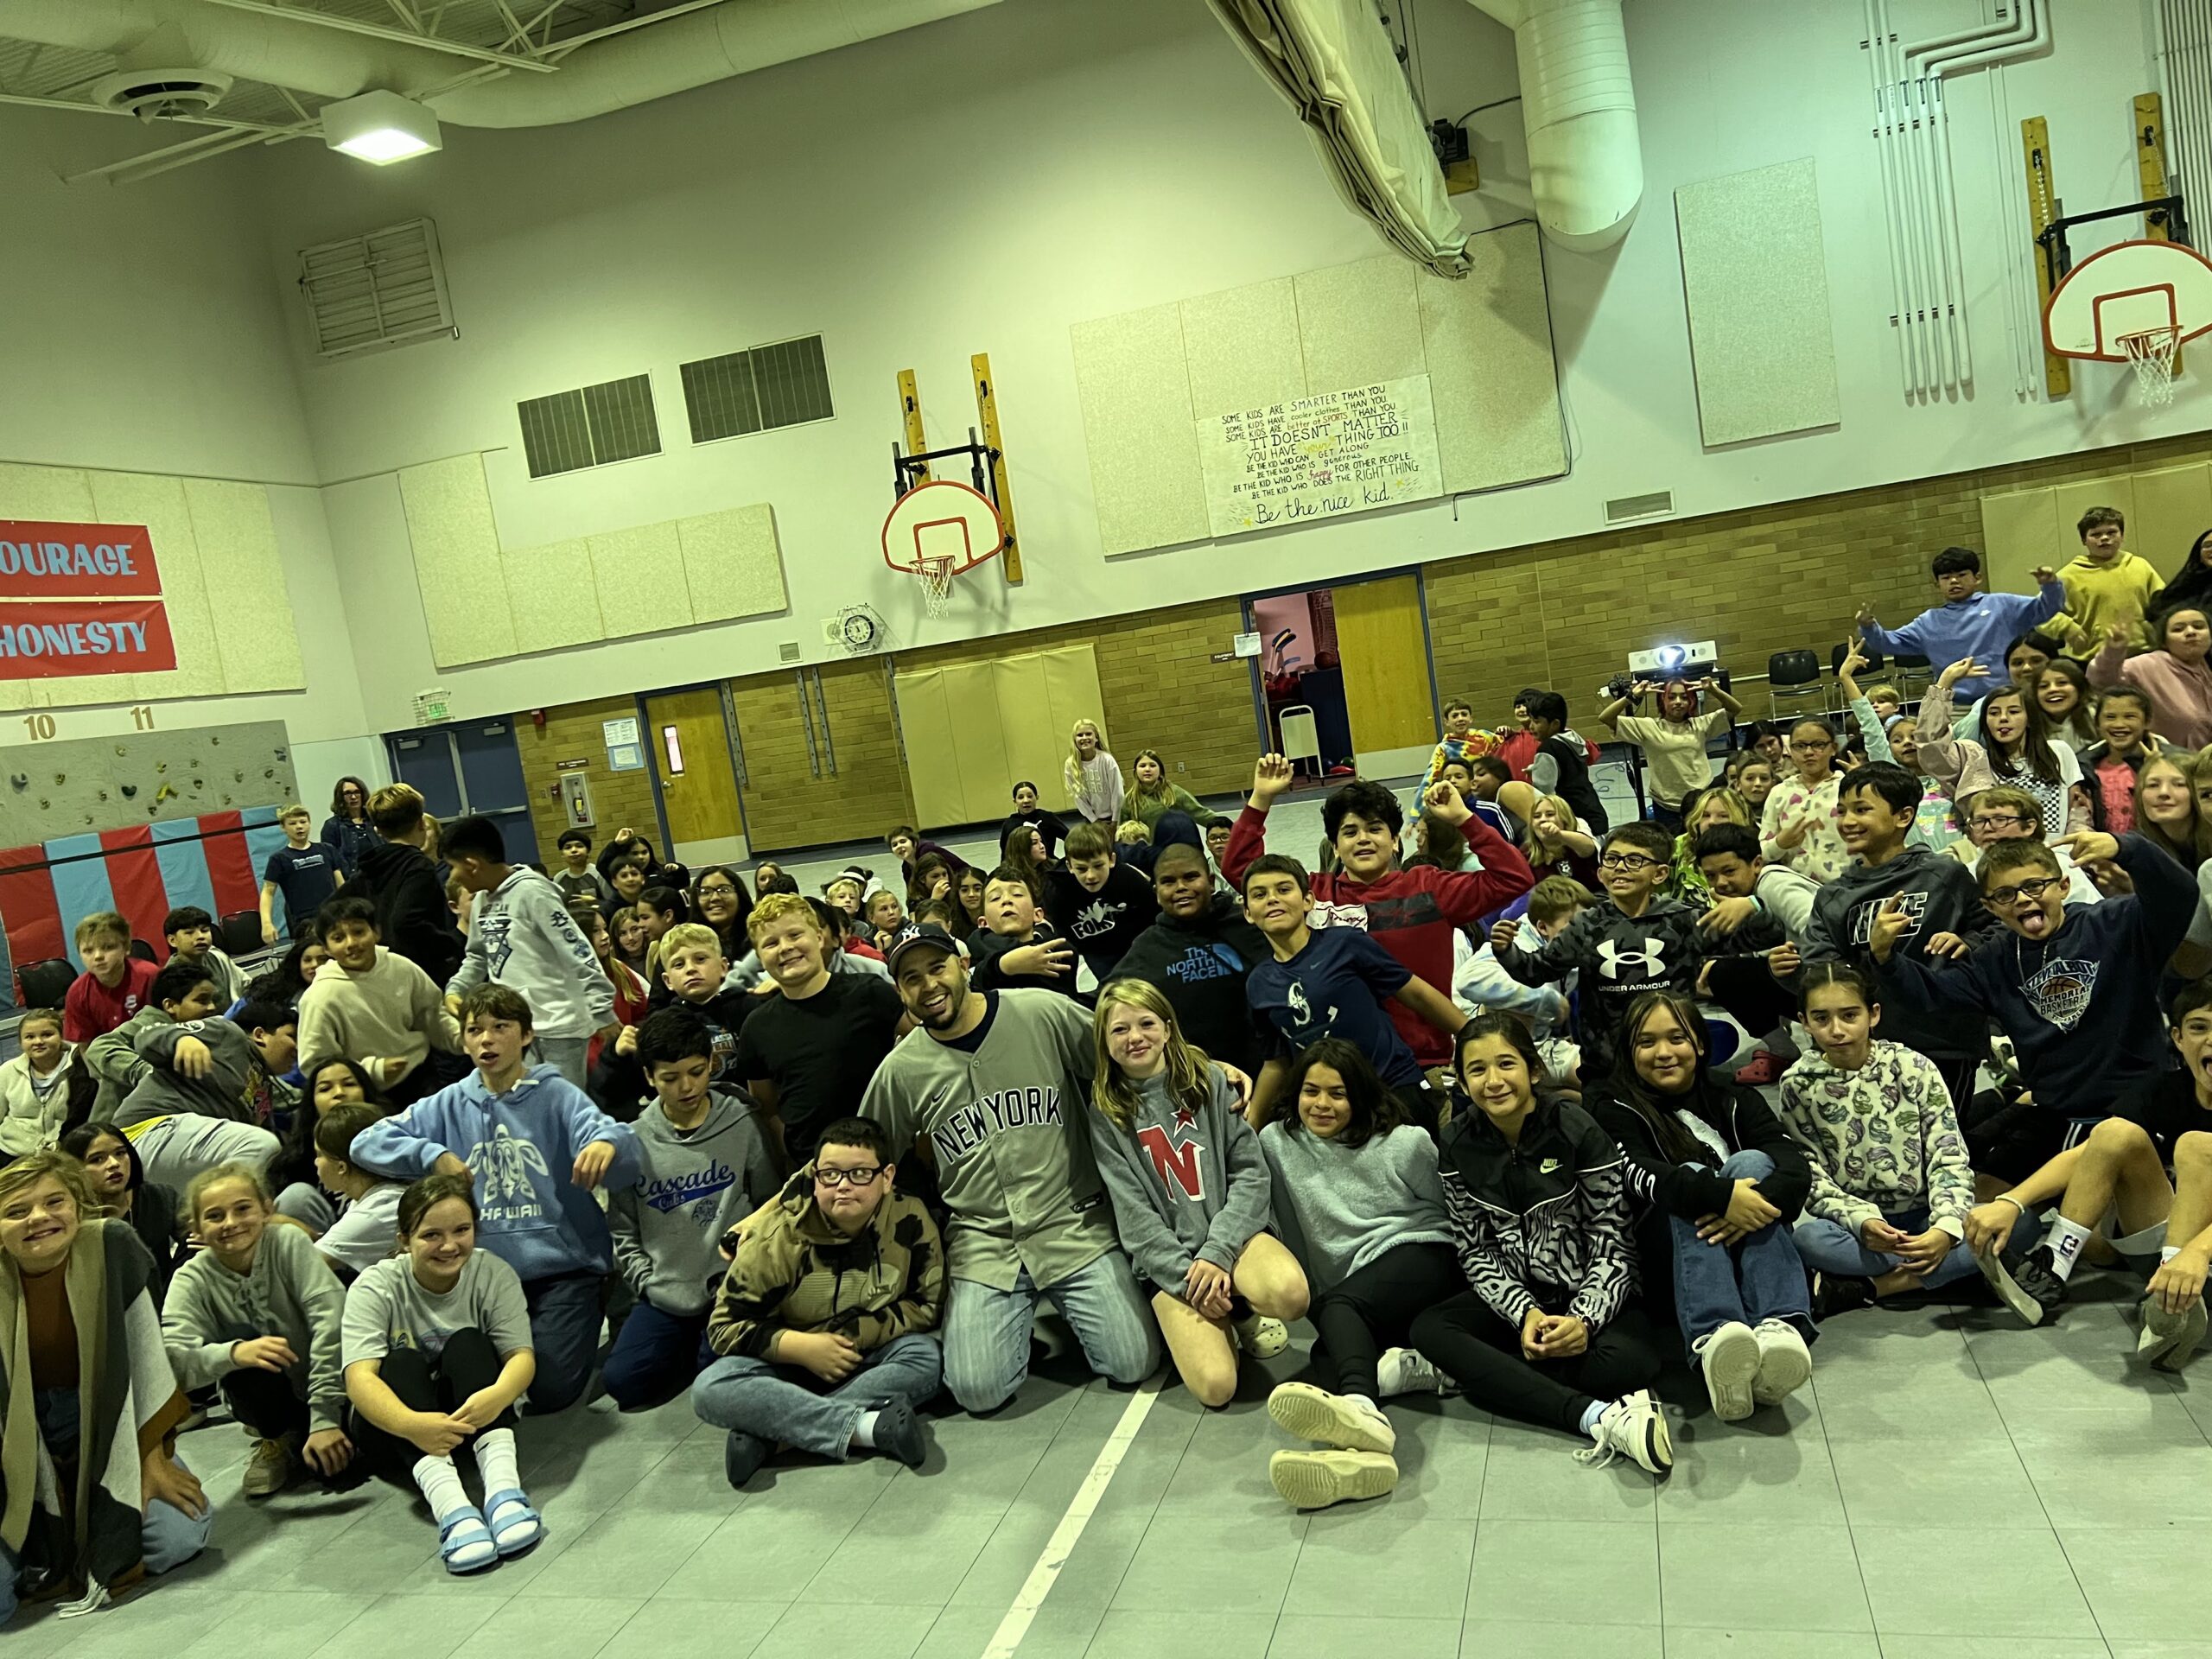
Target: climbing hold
{"x": 130, "y": 792}
{"x": 119, "y": 749}
{"x": 61, "y": 776}
{"x": 44, "y": 804}
{"x": 280, "y": 754}
{"x": 269, "y": 771}
{"x": 165, "y": 792}
{"x": 103, "y": 794}
{"x": 237, "y": 777}
{"x": 161, "y": 766}
{"x": 19, "y": 779}
{"x": 226, "y": 800}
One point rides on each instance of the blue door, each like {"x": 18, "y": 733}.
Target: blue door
{"x": 423, "y": 761}
{"x": 492, "y": 782}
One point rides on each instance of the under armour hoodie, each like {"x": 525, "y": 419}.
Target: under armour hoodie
{"x": 1617, "y": 957}
{"x": 520, "y": 1146}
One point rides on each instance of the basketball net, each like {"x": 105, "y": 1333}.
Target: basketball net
{"x": 935, "y": 577}
{"x": 2150, "y": 354}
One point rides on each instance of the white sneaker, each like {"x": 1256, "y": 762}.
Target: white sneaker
{"x": 1405, "y": 1370}
{"x": 1311, "y": 1413}
{"x": 1785, "y": 1363}
{"x": 1729, "y": 1359}
{"x": 1261, "y": 1337}
{"x": 1633, "y": 1426}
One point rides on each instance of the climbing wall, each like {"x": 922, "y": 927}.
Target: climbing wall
{"x": 139, "y": 824}
{"x": 68, "y": 785}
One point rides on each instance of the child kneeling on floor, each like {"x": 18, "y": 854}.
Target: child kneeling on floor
{"x": 825, "y": 1319}
{"x": 1357, "y": 1198}
{"x": 1191, "y": 1192}
{"x": 258, "y": 1310}
{"x": 437, "y": 1352}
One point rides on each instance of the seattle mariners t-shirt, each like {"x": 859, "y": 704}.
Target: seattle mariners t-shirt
{"x": 1339, "y": 986}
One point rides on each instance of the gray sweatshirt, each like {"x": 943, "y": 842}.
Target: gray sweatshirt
{"x": 163, "y": 1091}
{"x": 693, "y": 1185}
{"x": 1185, "y": 1183}
{"x": 1339, "y": 1208}
{"x": 291, "y": 1292}
{"x": 520, "y": 935}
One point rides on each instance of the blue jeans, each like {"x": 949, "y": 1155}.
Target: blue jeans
{"x": 1832, "y": 1247}
{"x": 656, "y": 1356}
{"x": 986, "y": 1332}
{"x": 1760, "y": 1278}
{"x": 564, "y": 1321}
{"x": 168, "y": 1537}
{"x": 760, "y": 1397}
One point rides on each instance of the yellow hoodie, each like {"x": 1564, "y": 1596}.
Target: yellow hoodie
{"x": 2119, "y": 589}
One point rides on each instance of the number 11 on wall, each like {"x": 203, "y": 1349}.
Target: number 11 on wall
{"x": 43, "y": 727}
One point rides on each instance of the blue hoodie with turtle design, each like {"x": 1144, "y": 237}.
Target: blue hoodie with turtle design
{"x": 520, "y": 1146}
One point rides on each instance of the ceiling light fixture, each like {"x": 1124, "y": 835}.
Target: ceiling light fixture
{"x": 380, "y": 128}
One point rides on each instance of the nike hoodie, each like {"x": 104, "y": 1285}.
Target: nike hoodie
{"x": 1940, "y": 897}
{"x": 520, "y": 1146}
{"x": 520, "y": 935}
{"x": 693, "y": 1185}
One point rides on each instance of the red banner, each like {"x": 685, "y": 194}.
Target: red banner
{"x": 58, "y": 561}
{"x": 40, "y": 642}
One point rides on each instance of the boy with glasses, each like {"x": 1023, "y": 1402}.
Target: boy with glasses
{"x": 823, "y": 1319}
{"x": 2077, "y": 992}
{"x": 1634, "y": 939}
{"x": 2004, "y": 813}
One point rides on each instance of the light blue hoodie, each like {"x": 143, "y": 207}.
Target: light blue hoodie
{"x": 519, "y": 1145}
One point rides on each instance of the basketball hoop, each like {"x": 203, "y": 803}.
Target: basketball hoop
{"x": 939, "y": 530}
{"x": 2151, "y": 355}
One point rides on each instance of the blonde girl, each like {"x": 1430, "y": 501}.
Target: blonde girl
{"x": 437, "y": 1352}
{"x": 258, "y": 1312}
{"x": 1092, "y": 776}
{"x": 34, "y": 1086}
{"x": 1715, "y": 806}
{"x": 1557, "y": 844}
{"x": 1191, "y": 1192}
{"x": 2166, "y": 811}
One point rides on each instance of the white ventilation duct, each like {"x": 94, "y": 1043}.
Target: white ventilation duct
{"x": 1585, "y": 163}
{"x": 1337, "y": 64}
{"x": 647, "y": 63}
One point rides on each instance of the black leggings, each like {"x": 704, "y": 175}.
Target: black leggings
{"x": 1482, "y": 1353}
{"x": 468, "y": 1365}
{"x": 263, "y": 1402}
{"x": 1746, "y": 987}
{"x": 1374, "y": 1309}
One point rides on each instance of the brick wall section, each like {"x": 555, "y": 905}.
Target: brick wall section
{"x": 786, "y": 805}
{"x": 573, "y": 731}
{"x": 1566, "y": 615}
{"x": 1161, "y": 688}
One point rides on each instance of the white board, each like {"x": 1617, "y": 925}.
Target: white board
{"x": 1320, "y": 456}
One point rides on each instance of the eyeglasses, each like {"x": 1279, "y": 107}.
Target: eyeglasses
{"x": 1628, "y": 862}
{"x": 1996, "y": 820}
{"x": 1813, "y": 746}
{"x": 847, "y": 1177}
{"x": 718, "y": 890}
{"x": 2005, "y": 898}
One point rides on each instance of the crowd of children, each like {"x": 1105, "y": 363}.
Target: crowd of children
{"x": 1466, "y": 1098}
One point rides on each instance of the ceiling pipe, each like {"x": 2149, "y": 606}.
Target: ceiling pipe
{"x": 1585, "y": 161}
{"x": 691, "y": 50}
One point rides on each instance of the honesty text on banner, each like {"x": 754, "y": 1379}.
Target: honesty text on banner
{"x": 80, "y": 599}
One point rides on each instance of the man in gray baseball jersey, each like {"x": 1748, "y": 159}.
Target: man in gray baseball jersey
{"x": 991, "y": 1088}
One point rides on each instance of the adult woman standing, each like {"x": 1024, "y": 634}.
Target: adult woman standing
{"x": 1093, "y": 777}
{"x": 347, "y": 829}
{"x": 95, "y": 1497}
{"x": 2174, "y": 675}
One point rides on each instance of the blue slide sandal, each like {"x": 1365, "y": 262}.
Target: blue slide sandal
{"x": 465, "y": 1543}
{"x": 516, "y": 1527}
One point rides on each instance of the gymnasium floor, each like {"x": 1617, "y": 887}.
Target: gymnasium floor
{"x": 1950, "y": 1486}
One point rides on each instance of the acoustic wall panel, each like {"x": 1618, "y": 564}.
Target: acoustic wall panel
{"x": 1358, "y": 324}
{"x": 255, "y": 638}
{"x": 457, "y": 565}
{"x": 52, "y": 494}
{"x": 158, "y": 504}
{"x": 732, "y": 563}
{"x": 554, "y": 595}
{"x": 1755, "y": 278}
{"x": 2173, "y": 507}
{"x": 1243, "y": 347}
{"x": 1134, "y": 380}
{"x": 640, "y": 576}
{"x": 1497, "y": 419}
{"x": 2017, "y": 530}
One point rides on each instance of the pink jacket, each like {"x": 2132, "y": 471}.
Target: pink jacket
{"x": 1959, "y": 763}
{"x": 2180, "y": 693}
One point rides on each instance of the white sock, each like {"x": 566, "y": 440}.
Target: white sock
{"x": 495, "y": 1461}
{"x": 2167, "y": 1252}
{"x": 2066, "y": 1239}
{"x": 441, "y": 1484}
{"x": 864, "y": 1431}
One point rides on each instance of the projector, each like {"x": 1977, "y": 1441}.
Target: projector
{"x": 1688, "y": 661}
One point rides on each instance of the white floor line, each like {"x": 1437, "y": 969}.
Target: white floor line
{"x": 1042, "y": 1577}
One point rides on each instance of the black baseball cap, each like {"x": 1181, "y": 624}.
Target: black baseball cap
{"x": 921, "y": 934}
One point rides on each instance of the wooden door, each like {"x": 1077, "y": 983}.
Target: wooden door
{"x": 688, "y": 741}
{"x": 1389, "y": 693}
